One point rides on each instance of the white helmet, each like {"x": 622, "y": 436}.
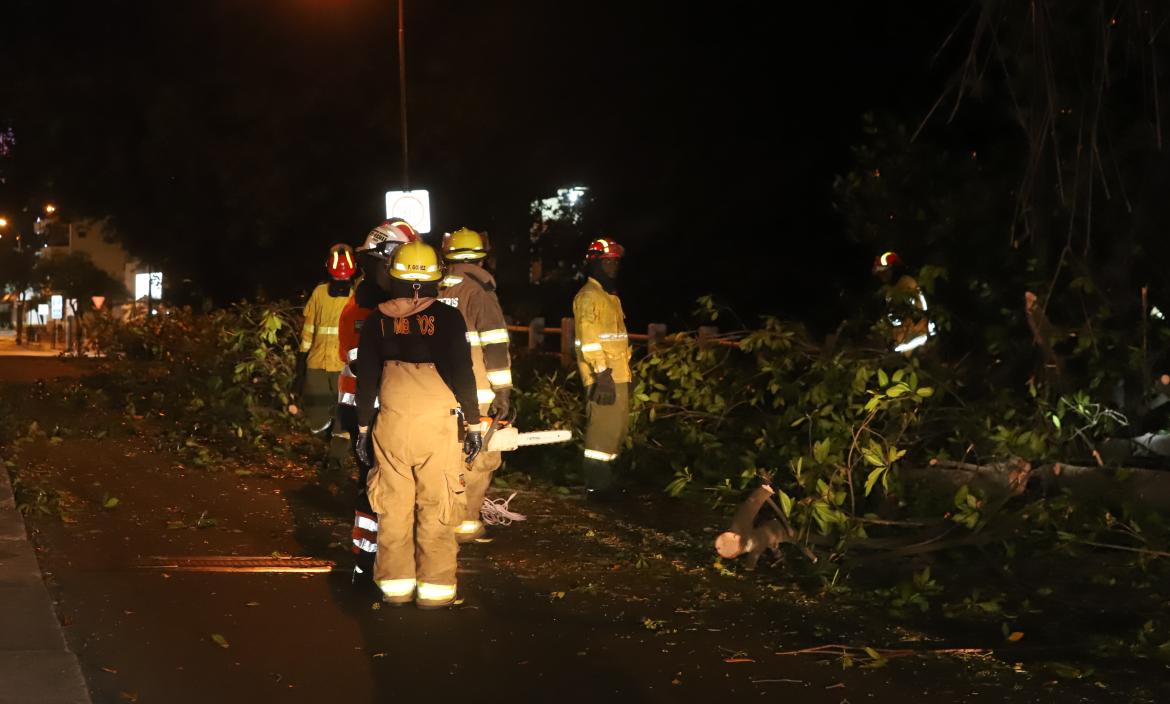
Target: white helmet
{"x": 387, "y": 237}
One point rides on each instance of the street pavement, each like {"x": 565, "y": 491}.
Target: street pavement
{"x": 577, "y": 604}
{"x": 36, "y": 665}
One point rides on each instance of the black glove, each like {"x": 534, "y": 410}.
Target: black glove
{"x": 500, "y": 404}
{"x": 472, "y": 444}
{"x": 604, "y": 391}
{"x": 363, "y": 449}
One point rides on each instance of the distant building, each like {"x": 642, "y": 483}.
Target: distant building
{"x": 97, "y": 239}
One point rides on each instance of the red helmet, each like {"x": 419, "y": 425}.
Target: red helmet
{"x": 886, "y": 260}
{"x": 340, "y": 263}
{"x": 387, "y": 236}
{"x": 604, "y": 249}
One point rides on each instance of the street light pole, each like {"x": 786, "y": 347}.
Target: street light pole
{"x": 402, "y": 93}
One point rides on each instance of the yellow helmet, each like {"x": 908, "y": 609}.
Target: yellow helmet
{"x": 416, "y": 261}
{"x": 464, "y": 245}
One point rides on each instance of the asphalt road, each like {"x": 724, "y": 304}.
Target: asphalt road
{"x": 576, "y": 604}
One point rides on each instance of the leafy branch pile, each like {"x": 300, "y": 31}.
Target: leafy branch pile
{"x": 219, "y": 380}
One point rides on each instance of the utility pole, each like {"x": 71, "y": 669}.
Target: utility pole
{"x": 402, "y": 92}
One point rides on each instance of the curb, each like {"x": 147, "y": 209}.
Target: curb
{"x": 36, "y": 665}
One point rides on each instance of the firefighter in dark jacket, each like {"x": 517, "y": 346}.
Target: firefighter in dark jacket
{"x": 414, "y": 357}
{"x": 472, "y": 289}
{"x": 373, "y": 258}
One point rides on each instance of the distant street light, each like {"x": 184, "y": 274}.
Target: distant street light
{"x": 3, "y": 222}
{"x": 50, "y": 209}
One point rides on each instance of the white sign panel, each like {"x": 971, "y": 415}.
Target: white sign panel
{"x": 148, "y": 285}
{"x": 412, "y": 206}
{"x": 57, "y": 307}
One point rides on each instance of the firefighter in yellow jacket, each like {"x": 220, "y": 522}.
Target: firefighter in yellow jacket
{"x": 414, "y": 357}
{"x": 603, "y": 357}
{"x": 472, "y": 289}
{"x": 318, "y": 364}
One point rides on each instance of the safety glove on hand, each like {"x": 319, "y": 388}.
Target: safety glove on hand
{"x": 364, "y": 450}
{"x": 604, "y": 391}
{"x": 501, "y": 404}
{"x": 472, "y": 444}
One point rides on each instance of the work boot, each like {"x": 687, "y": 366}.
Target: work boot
{"x": 598, "y": 475}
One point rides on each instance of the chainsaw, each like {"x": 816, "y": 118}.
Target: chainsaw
{"x": 502, "y": 436}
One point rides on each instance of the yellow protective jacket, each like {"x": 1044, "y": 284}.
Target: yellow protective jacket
{"x": 602, "y": 342}
{"x": 319, "y": 335}
{"x": 472, "y": 289}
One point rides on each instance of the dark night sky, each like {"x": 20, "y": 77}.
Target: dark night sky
{"x": 235, "y": 140}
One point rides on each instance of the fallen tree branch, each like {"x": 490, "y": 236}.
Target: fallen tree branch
{"x": 887, "y": 653}
{"x": 1111, "y": 546}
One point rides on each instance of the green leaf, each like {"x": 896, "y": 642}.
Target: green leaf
{"x": 821, "y": 450}
{"x": 897, "y": 390}
{"x": 883, "y": 378}
{"x": 219, "y": 640}
{"x": 785, "y": 502}
{"x": 110, "y": 502}
{"x": 873, "y": 455}
{"x": 925, "y": 392}
{"x": 873, "y": 478}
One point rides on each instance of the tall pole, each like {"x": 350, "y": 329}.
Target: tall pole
{"x": 402, "y": 93}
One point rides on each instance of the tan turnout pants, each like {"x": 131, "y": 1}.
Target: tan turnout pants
{"x": 417, "y": 486}
{"x": 479, "y": 472}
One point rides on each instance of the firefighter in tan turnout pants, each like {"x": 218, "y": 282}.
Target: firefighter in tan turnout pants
{"x": 414, "y": 357}
{"x": 603, "y": 357}
{"x": 470, "y": 288}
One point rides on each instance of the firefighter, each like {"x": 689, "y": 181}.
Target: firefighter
{"x": 415, "y": 358}
{"x": 471, "y": 288}
{"x": 603, "y": 357}
{"x": 315, "y": 382}
{"x": 907, "y": 304}
{"x": 372, "y": 258}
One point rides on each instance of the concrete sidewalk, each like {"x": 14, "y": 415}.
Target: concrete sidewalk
{"x": 36, "y": 666}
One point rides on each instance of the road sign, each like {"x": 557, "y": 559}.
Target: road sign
{"x": 57, "y": 307}
{"x": 412, "y": 206}
{"x": 98, "y": 301}
{"x": 148, "y": 285}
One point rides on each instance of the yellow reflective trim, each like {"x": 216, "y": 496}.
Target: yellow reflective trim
{"x": 473, "y": 338}
{"x": 397, "y": 587}
{"x": 500, "y": 377}
{"x": 492, "y": 337}
{"x": 468, "y": 527}
{"x": 485, "y": 395}
{"x": 326, "y": 330}
{"x": 366, "y": 523}
{"x": 591, "y": 347}
{"x": 452, "y": 280}
{"x": 600, "y": 456}
{"x": 435, "y": 592}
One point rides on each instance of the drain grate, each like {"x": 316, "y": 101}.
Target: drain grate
{"x": 239, "y": 563}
